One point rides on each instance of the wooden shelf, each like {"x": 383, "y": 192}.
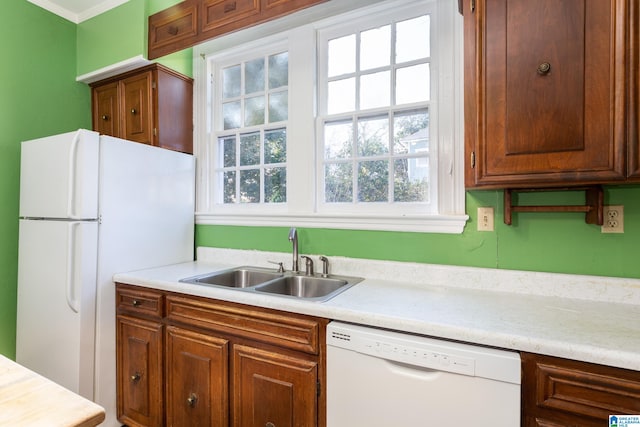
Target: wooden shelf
{"x": 593, "y": 206}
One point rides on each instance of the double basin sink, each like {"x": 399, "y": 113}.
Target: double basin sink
{"x": 288, "y": 284}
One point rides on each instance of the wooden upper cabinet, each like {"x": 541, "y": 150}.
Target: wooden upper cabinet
{"x": 546, "y": 86}
{"x": 106, "y": 109}
{"x": 151, "y": 105}
{"x": 194, "y": 21}
{"x": 634, "y": 92}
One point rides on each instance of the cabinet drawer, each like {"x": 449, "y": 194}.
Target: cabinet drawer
{"x": 173, "y": 28}
{"x": 139, "y": 301}
{"x": 577, "y": 392}
{"x": 287, "y": 330}
{"x": 220, "y": 13}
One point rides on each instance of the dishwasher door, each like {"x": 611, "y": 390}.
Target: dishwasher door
{"x": 383, "y": 378}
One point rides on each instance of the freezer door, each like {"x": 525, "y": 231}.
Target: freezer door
{"x": 56, "y": 301}
{"x": 59, "y": 176}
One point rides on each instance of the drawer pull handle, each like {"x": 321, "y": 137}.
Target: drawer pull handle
{"x": 269, "y": 424}
{"x": 173, "y": 30}
{"x": 230, "y": 7}
{"x": 136, "y": 303}
{"x": 136, "y": 377}
{"x": 544, "y": 68}
{"x": 192, "y": 399}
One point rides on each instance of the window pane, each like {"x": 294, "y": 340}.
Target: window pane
{"x": 275, "y": 185}
{"x": 254, "y": 76}
{"x": 375, "y": 90}
{"x": 375, "y": 48}
{"x": 250, "y": 149}
{"x": 278, "y": 70}
{"x": 373, "y": 181}
{"x": 231, "y": 82}
{"x": 338, "y": 183}
{"x": 227, "y": 150}
{"x": 254, "y": 111}
{"x": 250, "y": 186}
{"x": 278, "y": 106}
{"x": 342, "y": 96}
{"x": 338, "y": 140}
{"x": 411, "y": 132}
{"x": 229, "y": 185}
{"x": 412, "y": 84}
{"x": 231, "y": 115}
{"x": 411, "y": 180}
{"x": 373, "y": 136}
{"x": 412, "y": 39}
{"x": 275, "y": 146}
{"x": 342, "y": 55}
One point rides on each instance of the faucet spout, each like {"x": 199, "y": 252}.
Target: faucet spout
{"x": 293, "y": 237}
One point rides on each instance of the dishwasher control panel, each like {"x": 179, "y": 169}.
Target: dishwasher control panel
{"x": 425, "y": 352}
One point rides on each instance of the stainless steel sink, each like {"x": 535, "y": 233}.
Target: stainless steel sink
{"x": 240, "y": 277}
{"x": 314, "y": 288}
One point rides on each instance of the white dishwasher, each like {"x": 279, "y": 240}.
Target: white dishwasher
{"x": 382, "y": 378}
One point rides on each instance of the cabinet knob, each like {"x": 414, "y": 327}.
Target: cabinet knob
{"x": 133, "y": 111}
{"x": 136, "y": 377}
{"x": 269, "y": 424}
{"x": 544, "y": 68}
{"x": 105, "y": 117}
{"x": 192, "y": 399}
{"x": 136, "y": 303}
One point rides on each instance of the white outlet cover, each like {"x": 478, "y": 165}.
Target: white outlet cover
{"x": 613, "y": 219}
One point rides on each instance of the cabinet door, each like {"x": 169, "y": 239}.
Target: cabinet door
{"x": 139, "y": 372}
{"x": 137, "y": 103}
{"x": 106, "y": 120}
{"x": 273, "y": 389}
{"x": 197, "y": 379}
{"x": 546, "y": 80}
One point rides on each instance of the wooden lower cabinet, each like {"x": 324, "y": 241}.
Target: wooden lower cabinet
{"x": 192, "y": 361}
{"x": 273, "y": 389}
{"x": 140, "y": 376}
{"x": 197, "y": 379}
{"x": 566, "y": 393}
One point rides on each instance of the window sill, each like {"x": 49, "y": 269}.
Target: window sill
{"x": 448, "y": 224}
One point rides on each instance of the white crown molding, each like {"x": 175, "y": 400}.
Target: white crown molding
{"x": 77, "y": 16}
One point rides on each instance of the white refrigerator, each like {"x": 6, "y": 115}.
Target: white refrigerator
{"x": 92, "y": 206}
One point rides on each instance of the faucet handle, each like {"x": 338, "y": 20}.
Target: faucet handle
{"x": 325, "y": 266}
{"x": 308, "y": 265}
{"x": 279, "y": 264}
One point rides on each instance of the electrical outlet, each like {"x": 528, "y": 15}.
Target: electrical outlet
{"x": 613, "y": 219}
{"x": 485, "y": 219}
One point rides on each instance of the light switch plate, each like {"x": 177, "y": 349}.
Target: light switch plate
{"x": 485, "y": 219}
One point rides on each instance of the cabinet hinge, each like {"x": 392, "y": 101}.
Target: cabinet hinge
{"x": 318, "y": 388}
{"x": 153, "y": 85}
{"x": 473, "y": 6}
{"x": 473, "y": 159}
{"x": 155, "y": 131}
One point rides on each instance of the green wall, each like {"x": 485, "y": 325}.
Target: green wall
{"x": 39, "y": 97}
{"x": 549, "y": 242}
{"x": 120, "y": 34}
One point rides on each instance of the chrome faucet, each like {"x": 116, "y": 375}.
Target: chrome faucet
{"x": 308, "y": 270}
{"x": 293, "y": 237}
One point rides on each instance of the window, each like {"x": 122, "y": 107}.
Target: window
{"x": 251, "y": 152}
{"x": 352, "y": 121}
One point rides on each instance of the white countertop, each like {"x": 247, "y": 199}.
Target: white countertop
{"x": 587, "y": 318}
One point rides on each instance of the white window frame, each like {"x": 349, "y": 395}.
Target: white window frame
{"x": 302, "y": 208}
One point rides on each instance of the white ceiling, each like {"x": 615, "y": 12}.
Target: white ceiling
{"x": 77, "y": 10}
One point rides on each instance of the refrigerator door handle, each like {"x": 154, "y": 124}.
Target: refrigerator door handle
{"x": 73, "y": 153}
{"x": 72, "y": 300}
